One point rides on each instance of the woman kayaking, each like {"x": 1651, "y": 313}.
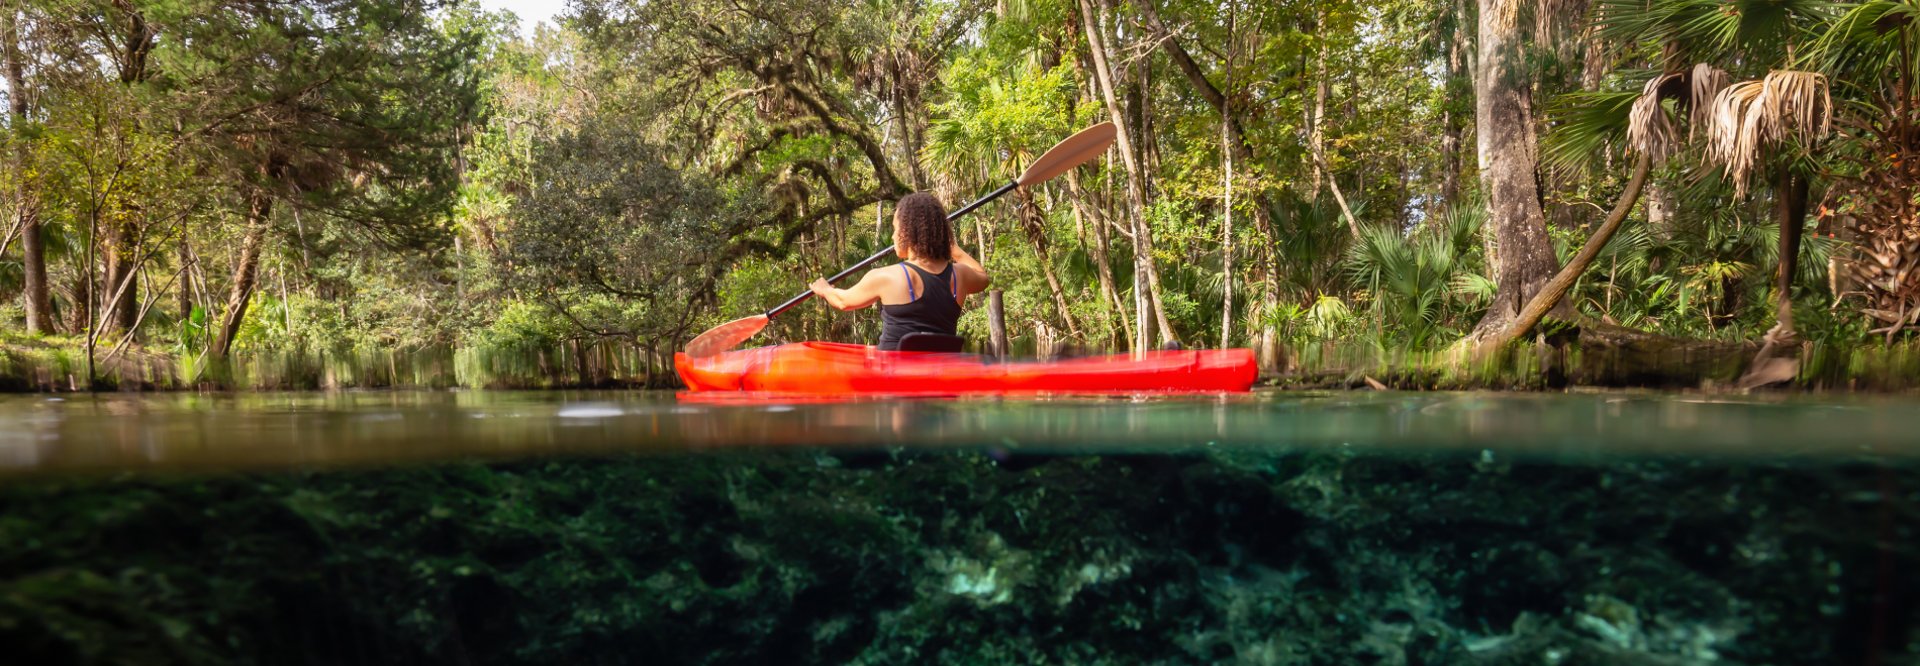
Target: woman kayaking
{"x": 924, "y": 292}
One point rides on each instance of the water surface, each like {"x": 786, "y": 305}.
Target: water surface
{"x": 177, "y": 431}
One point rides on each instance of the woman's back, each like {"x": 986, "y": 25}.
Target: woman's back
{"x": 924, "y": 293}
{"x": 931, "y": 307}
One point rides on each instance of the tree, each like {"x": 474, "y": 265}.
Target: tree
{"x": 612, "y": 230}
{"x": 25, "y": 200}
{"x": 1739, "y": 127}
{"x": 1147, "y": 274}
{"x": 999, "y": 114}
{"x": 345, "y": 108}
{"x": 1503, "y": 114}
{"x": 1235, "y": 141}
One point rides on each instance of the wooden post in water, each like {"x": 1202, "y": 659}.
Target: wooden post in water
{"x": 996, "y": 326}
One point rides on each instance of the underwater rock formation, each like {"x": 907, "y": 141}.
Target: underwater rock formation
{"x": 916, "y": 557}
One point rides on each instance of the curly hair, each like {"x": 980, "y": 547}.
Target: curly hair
{"x": 922, "y": 222}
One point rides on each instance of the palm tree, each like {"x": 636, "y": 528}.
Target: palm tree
{"x": 1762, "y": 125}
{"x": 1869, "y": 52}
{"x": 1422, "y": 283}
{"x": 997, "y": 127}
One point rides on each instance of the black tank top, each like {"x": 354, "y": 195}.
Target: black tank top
{"x": 936, "y": 309}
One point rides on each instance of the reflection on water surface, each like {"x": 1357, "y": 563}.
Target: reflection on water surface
{"x": 208, "y": 432}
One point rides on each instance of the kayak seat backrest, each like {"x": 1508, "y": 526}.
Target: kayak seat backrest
{"x": 932, "y": 342}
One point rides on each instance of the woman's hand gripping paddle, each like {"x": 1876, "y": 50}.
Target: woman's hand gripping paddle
{"x": 1074, "y": 151}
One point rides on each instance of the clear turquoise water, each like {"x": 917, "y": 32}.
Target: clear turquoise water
{"x": 1271, "y": 528}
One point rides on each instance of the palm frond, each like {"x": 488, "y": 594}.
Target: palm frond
{"x": 1866, "y": 40}
{"x": 1704, "y": 83}
{"x": 1474, "y": 288}
{"x": 1749, "y": 116}
{"x": 1800, "y": 103}
{"x": 1650, "y": 130}
{"x": 1718, "y": 27}
{"x": 1637, "y": 21}
{"x": 1584, "y": 126}
{"x": 1463, "y": 224}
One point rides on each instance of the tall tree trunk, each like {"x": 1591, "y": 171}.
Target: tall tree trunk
{"x": 1503, "y": 113}
{"x": 1449, "y": 161}
{"x": 123, "y": 305}
{"x": 1226, "y": 241}
{"x": 184, "y": 297}
{"x": 1451, "y": 127}
{"x": 1549, "y": 297}
{"x": 123, "y": 232}
{"x": 909, "y": 147}
{"x": 1317, "y": 140}
{"x": 1226, "y": 225}
{"x": 1790, "y": 209}
{"x": 1083, "y": 206}
{"x": 259, "y": 207}
{"x": 1267, "y": 343}
{"x": 1771, "y": 365}
{"x": 1033, "y": 223}
{"x": 1147, "y": 157}
{"x": 1136, "y": 182}
{"x": 1316, "y": 130}
{"x": 80, "y": 304}
{"x": 1660, "y": 207}
{"x": 34, "y": 248}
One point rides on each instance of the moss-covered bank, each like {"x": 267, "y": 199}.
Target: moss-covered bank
{"x": 60, "y": 364}
{"x": 1612, "y": 358}
{"x": 1618, "y": 361}
{"x": 961, "y": 558}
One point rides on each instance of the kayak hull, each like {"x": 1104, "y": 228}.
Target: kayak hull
{"x": 829, "y": 368}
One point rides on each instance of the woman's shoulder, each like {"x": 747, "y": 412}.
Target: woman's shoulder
{"x": 889, "y": 274}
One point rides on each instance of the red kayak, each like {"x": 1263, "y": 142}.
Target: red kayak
{"x": 835, "y": 369}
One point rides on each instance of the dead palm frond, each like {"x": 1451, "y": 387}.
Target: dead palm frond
{"x": 1705, "y": 82}
{"x": 1749, "y": 116}
{"x": 1650, "y": 130}
{"x": 1800, "y": 102}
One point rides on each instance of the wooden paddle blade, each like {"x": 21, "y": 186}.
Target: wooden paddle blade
{"x": 1069, "y": 153}
{"x": 726, "y": 336}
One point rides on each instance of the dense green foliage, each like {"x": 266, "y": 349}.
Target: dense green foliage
{"x": 960, "y": 558}
{"x": 208, "y": 178}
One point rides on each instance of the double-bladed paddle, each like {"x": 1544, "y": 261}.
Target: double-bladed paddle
{"x": 1067, "y": 154}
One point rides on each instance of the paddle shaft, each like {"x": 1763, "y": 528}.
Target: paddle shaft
{"x": 877, "y": 256}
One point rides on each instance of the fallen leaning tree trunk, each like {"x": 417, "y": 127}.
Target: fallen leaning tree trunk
{"x": 1549, "y": 296}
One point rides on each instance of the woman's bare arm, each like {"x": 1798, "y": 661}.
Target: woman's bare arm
{"x": 862, "y": 294}
{"x": 973, "y": 277}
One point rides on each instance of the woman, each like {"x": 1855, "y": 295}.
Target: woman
{"x": 924, "y": 292}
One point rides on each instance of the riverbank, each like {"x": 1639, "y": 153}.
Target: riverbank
{"x": 58, "y": 364}
{"x": 1610, "y": 359}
